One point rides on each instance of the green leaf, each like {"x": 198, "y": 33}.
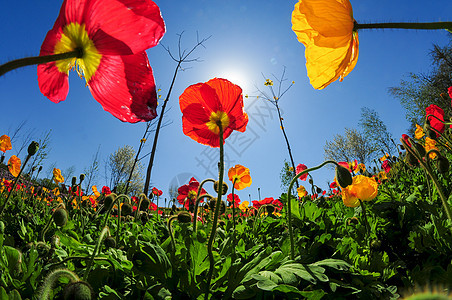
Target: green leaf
{"x": 14, "y": 295}
{"x": 337, "y": 264}
{"x": 295, "y": 208}
{"x": 3, "y": 294}
{"x": 286, "y": 270}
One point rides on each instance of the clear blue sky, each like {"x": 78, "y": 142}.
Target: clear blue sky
{"x": 248, "y": 38}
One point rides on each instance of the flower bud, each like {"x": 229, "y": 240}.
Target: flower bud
{"x": 110, "y": 242}
{"x": 82, "y": 177}
{"x": 60, "y": 217}
{"x": 420, "y": 149}
{"x": 74, "y": 181}
{"x": 184, "y": 217}
{"x": 442, "y": 164}
{"x": 108, "y": 202}
{"x": 78, "y": 290}
{"x": 343, "y": 176}
{"x": 33, "y": 148}
{"x": 224, "y": 189}
{"x": 126, "y": 209}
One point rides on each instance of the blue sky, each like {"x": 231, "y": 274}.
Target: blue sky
{"x": 248, "y": 39}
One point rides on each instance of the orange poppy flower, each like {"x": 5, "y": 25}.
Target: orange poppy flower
{"x": 241, "y": 176}
{"x": 5, "y": 143}
{"x": 430, "y": 144}
{"x": 362, "y": 188}
{"x": 57, "y": 177}
{"x": 205, "y": 105}
{"x": 112, "y": 36}
{"x": 325, "y": 27}
{"x": 419, "y": 133}
{"x": 14, "y": 164}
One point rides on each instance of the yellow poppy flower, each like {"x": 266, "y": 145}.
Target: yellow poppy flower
{"x": 361, "y": 168}
{"x": 14, "y": 164}
{"x": 419, "y": 133}
{"x": 5, "y": 143}
{"x": 244, "y": 206}
{"x": 57, "y": 177}
{"x": 241, "y": 176}
{"x": 430, "y": 144}
{"x": 325, "y": 27}
{"x": 362, "y": 188}
{"x": 301, "y": 191}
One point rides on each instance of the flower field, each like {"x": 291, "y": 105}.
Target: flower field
{"x": 374, "y": 233}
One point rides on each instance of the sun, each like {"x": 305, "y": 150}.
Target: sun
{"x": 238, "y": 77}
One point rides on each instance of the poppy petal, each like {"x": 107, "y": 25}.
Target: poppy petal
{"x": 140, "y": 26}
{"x": 125, "y": 87}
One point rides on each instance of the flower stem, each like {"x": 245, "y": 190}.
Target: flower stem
{"x": 216, "y": 213}
{"x": 198, "y": 198}
{"x": 289, "y": 196}
{"x": 36, "y": 60}
{"x": 105, "y": 231}
{"x": 427, "y": 26}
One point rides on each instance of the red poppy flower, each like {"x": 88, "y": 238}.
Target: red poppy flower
{"x": 106, "y": 190}
{"x": 437, "y": 112}
{"x": 205, "y": 105}
{"x": 112, "y": 36}
{"x": 450, "y": 91}
{"x": 267, "y": 201}
{"x": 236, "y": 200}
{"x": 188, "y": 192}
{"x": 386, "y": 166}
{"x": 152, "y": 206}
{"x": 156, "y": 191}
{"x": 333, "y": 185}
{"x": 301, "y": 168}
{"x": 406, "y": 139}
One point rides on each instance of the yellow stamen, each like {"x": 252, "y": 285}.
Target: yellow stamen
{"x": 216, "y": 118}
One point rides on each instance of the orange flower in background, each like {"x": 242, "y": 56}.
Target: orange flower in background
{"x": 57, "y": 177}
{"x": 430, "y": 144}
{"x": 325, "y": 27}
{"x": 384, "y": 157}
{"x": 14, "y": 164}
{"x": 240, "y": 176}
{"x": 205, "y": 105}
{"x": 362, "y": 188}
{"x": 419, "y": 133}
{"x": 95, "y": 191}
{"x": 112, "y": 36}
{"x": 5, "y": 143}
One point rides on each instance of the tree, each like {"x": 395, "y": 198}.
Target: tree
{"x": 92, "y": 171}
{"x": 376, "y": 132}
{"x": 68, "y": 173}
{"x": 420, "y": 90}
{"x": 353, "y": 145}
{"x": 118, "y": 167}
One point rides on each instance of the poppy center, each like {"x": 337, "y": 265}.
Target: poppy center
{"x": 217, "y": 118}
{"x": 75, "y": 36}
{"x": 192, "y": 195}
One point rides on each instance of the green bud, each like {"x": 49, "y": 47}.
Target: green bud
{"x": 74, "y": 181}
{"x": 126, "y": 209}
{"x": 33, "y": 148}
{"x": 343, "y": 176}
{"x": 110, "y": 242}
{"x": 79, "y": 290}
{"x": 184, "y": 217}
{"x": 442, "y": 164}
{"x": 224, "y": 189}
{"x": 60, "y": 217}
{"x": 420, "y": 149}
{"x": 108, "y": 202}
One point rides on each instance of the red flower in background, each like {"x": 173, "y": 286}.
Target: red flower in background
{"x": 437, "y": 113}
{"x": 266, "y": 201}
{"x": 333, "y": 185}
{"x": 106, "y": 190}
{"x": 153, "y": 206}
{"x": 386, "y": 166}
{"x": 406, "y": 139}
{"x": 301, "y": 168}
{"x": 236, "y": 200}
{"x": 156, "y": 191}
{"x": 205, "y": 105}
{"x": 188, "y": 192}
{"x": 112, "y": 36}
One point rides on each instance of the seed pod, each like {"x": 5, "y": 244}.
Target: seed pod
{"x": 79, "y": 290}
{"x": 184, "y": 217}
{"x": 318, "y": 190}
{"x": 110, "y": 242}
{"x": 442, "y": 164}
{"x": 33, "y": 148}
{"x": 343, "y": 176}
{"x": 74, "y": 181}
{"x": 224, "y": 189}
{"x": 82, "y": 177}
{"x": 60, "y": 217}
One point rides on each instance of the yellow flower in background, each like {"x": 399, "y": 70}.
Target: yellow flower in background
{"x": 384, "y": 157}
{"x": 361, "y": 168}
{"x": 244, "y": 206}
{"x": 5, "y": 143}
{"x": 95, "y": 191}
{"x": 382, "y": 175}
{"x": 419, "y": 133}
{"x": 268, "y": 82}
{"x": 362, "y": 188}
{"x": 301, "y": 191}
{"x": 14, "y": 164}
{"x": 430, "y": 144}
{"x": 325, "y": 27}
{"x": 57, "y": 177}
{"x": 56, "y": 191}
{"x": 240, "y": 177}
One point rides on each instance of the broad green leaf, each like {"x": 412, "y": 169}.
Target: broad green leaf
{"x": 337, "y": 264}
{"x": 263, "y": 282}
